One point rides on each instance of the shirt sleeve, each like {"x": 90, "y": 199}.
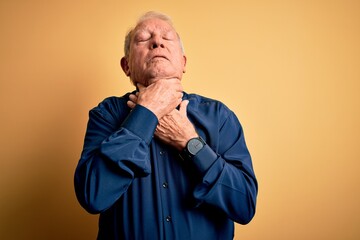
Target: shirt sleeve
{"x": 228, "y": 182}
{"x": 113, "y": 156}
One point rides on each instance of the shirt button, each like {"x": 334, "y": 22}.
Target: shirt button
{"x": 162, "y": 152}
{"x": 165, "y": 185}
{"x": 168, "y": 218}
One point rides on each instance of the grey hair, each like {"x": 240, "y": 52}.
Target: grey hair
{"x": 144, "y": 17}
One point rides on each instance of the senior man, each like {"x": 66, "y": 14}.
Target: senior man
{"x": 159, "y": 163}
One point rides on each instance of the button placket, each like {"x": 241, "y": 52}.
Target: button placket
{"x": 164, "y": 185}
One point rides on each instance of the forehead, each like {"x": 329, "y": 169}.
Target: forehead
{"x": 154, "y": 24}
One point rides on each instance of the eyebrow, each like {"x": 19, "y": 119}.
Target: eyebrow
{"x": 146, "y": 29}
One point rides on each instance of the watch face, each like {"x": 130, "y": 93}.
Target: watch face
{"x": 194, "y": 146}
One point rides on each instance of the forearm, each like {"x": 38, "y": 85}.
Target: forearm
{"x": 106, "y": 173}
{"x": 108, "y": 166}
{"x": 230, "y": 189}
{"x": 228, "y": 181}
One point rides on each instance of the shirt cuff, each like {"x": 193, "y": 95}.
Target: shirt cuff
{"x": 142, "y": 122}
{"x": 204, "y": 158}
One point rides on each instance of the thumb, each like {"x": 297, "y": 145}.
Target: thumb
{"x": 183, "y": 107}
{"x": 140, "y": 87}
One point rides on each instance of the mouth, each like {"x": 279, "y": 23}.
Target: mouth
{"x": 158, "y": 57}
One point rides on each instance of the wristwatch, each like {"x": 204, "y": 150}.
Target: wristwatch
{"x": 193, "y": 146}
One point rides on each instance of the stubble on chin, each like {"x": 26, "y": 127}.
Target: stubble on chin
{"x": 156, "y": 74}
{"x": 154, "y": 70}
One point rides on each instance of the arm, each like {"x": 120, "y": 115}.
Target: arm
{"x": 114, "y": 152}
{"x": 113, "y": 156}
{"x": 229, "y": 183}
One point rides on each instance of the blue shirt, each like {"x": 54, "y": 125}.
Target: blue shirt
{"x": 144, "y": 190}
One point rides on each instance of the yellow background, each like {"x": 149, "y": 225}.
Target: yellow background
{"x": 290, "y": 70}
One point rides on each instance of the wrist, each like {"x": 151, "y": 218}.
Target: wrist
{"x": 151, "y": 109}
{"x": 187, "y": 139}
{"x": 192, "y": 147}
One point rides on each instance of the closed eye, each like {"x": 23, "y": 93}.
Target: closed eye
{"x": 168, "y": 39}
{"x": 142, "y": 37}
{"x": 170, "y": 36}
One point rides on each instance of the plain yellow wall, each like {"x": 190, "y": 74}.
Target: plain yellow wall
{"x": 290, "y": 70}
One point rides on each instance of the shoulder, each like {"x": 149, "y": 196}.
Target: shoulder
{"x": 113, "y": 101}
{"x": 201, "y": 103}
{"x": 113, "y": 106}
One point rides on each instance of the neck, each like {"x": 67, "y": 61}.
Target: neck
{"x": 149, "y": 81}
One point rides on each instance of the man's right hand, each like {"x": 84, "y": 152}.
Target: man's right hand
{"x": 161, "y": 97}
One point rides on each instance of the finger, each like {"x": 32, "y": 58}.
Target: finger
{"x": 140, "y": 87}
{"x": 131, "y": 104}
{"x": 183, "y": 107}
{"x": 133, "y": 98}
{"x": 179, "y": 87}
{"x": 176, "y": 84}
{"x": 179, "y": 95}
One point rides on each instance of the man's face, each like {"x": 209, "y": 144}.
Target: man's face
{"x": 155, "y": 53}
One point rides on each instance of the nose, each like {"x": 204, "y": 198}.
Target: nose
{"x": 157, "y": 42}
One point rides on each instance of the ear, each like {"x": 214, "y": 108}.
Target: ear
{"x": 125, "y": 66}
{"x": 184, "y": 63}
